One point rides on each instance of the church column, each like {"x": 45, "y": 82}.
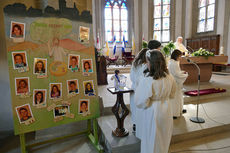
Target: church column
{"x": 147, "y": 19}
{"x": 188, "y": 19}
{"x": 220, "y": 21}
{"x": 178, "y": 18}
{"x": 137, "y": 24}
{"x": 223, "y": 23}
{"x": 97, "y": 18}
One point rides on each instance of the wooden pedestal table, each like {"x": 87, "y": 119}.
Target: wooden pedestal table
{"x": 205, "y": 65}
{"x": 120, "y": 131}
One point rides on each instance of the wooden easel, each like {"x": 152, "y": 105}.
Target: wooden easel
{"x": 93, "y": 137}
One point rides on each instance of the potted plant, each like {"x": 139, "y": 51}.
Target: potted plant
{"x": 144, "y": 44}
{"x": 168, "y": 49}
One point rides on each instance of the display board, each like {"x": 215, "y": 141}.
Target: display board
{"x": 52, "y": 69}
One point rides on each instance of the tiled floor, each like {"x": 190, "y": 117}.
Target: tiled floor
{"x": 210, "y": 143}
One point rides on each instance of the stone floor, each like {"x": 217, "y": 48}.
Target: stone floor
{"x": 216, "y": 114}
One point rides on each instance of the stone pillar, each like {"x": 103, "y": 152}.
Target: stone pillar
{"x": 178, "y": 18}
{"x": 228, "y": 47}
{"x": 220, "y": 21}
{"x": 147, "y": 18}
{"x": 137, "y": 25}
{"x": 188, "y": 19}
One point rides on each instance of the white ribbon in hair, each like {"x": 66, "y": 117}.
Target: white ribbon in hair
{"x": 148, "y": 54}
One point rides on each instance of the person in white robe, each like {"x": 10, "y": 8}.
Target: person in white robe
{"x": 56, "y": 51}
{"x": 179, "y": 45}
{"x": 180, "y": 77}
{"x": 137, "y": 70}
{"x": 152, "y": 96}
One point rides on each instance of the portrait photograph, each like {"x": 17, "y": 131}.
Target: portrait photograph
{"x": 39, "y": 97}
{"x": 19, "y": 59}
{"x": 84, "y": 34}
{"x": 87, "y": 65}
{"x": 83, "y": 107}
{"x": 88, "y": 88}
{"x": 55, "y": 90}
{"x": 72, "y": 86}
{"x": 40, "y": 66}
{"x": 22, "y": 85}
{"x": 24, "y": 113}
{"x": 17, "y": 30}
{"x": 60, "y": 110}
{"x": 74, "y": 62}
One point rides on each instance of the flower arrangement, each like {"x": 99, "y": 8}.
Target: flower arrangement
{"x": 202, "y": 52}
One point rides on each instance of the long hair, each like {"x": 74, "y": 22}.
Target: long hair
{"x": 43, "y": 67}
{"x": 52, "y": 91}
{"x": 39, "y": 92}
{"x": 91, "y": 88}
{"x": 175, "y": 54}
{"x": 19, "y": 28}
{"x": 140, "y": 58}
{"x": 158, "y": 68}
{"x": 88, "y": 64}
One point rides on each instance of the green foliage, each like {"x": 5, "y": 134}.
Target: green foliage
{"x": 168, "y": 48}
{"x": 144, "y": 44}
{"x": 202, "y": 52}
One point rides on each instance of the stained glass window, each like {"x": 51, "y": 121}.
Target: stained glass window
{"x": 206, "y": 15}
{"x": 116, "y": 20}
{"x": 161, "y": 26}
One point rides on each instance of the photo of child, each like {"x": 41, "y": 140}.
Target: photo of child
{"x": 84, "y": 34}
{"x": 22, "y": 85}
{"x": 24, "y": 113}
{"x": 87, "y": 65}
{"x": 72, "y": 86}
{"x": 83, "y": 106}
{"x": 73, "y": 62}
{"x": 17, "y": 30}
{"x": 40, "y": 66}
{"x": 88, "y": 88}
{"x": 19, "y": 59}
{"x": 55, "y": 90}
{"x": 39, "y": 97}
{"x": 60, "y": 110}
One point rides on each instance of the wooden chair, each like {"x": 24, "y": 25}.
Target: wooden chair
{"x": 127, "y": 58}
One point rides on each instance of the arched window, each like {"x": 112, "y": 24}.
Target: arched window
{"x": 206, "y": 15}
{"x": 116, "y": 20}
{"x": 161, "y": 21}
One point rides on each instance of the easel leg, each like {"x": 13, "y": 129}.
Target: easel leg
{"x": 94, "y": 137}
{"x": 23, "y": 143}
{"x": 95, "y": 133}
{"x": 89, "y": 126}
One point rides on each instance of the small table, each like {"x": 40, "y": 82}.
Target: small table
{"x": 120, "y": 131}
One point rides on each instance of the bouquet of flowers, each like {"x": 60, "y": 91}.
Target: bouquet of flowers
{"x": 202, "y": 52}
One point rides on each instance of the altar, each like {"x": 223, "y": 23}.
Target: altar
{"x": 205, "y": 65}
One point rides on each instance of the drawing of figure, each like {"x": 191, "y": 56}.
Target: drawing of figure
{"x": 56, "y": 50}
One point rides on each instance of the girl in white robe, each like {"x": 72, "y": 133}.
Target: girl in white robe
{"x": 180, "y": 77}
{"x": 152, "y": 94}
{"x": 137, "y": 69}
